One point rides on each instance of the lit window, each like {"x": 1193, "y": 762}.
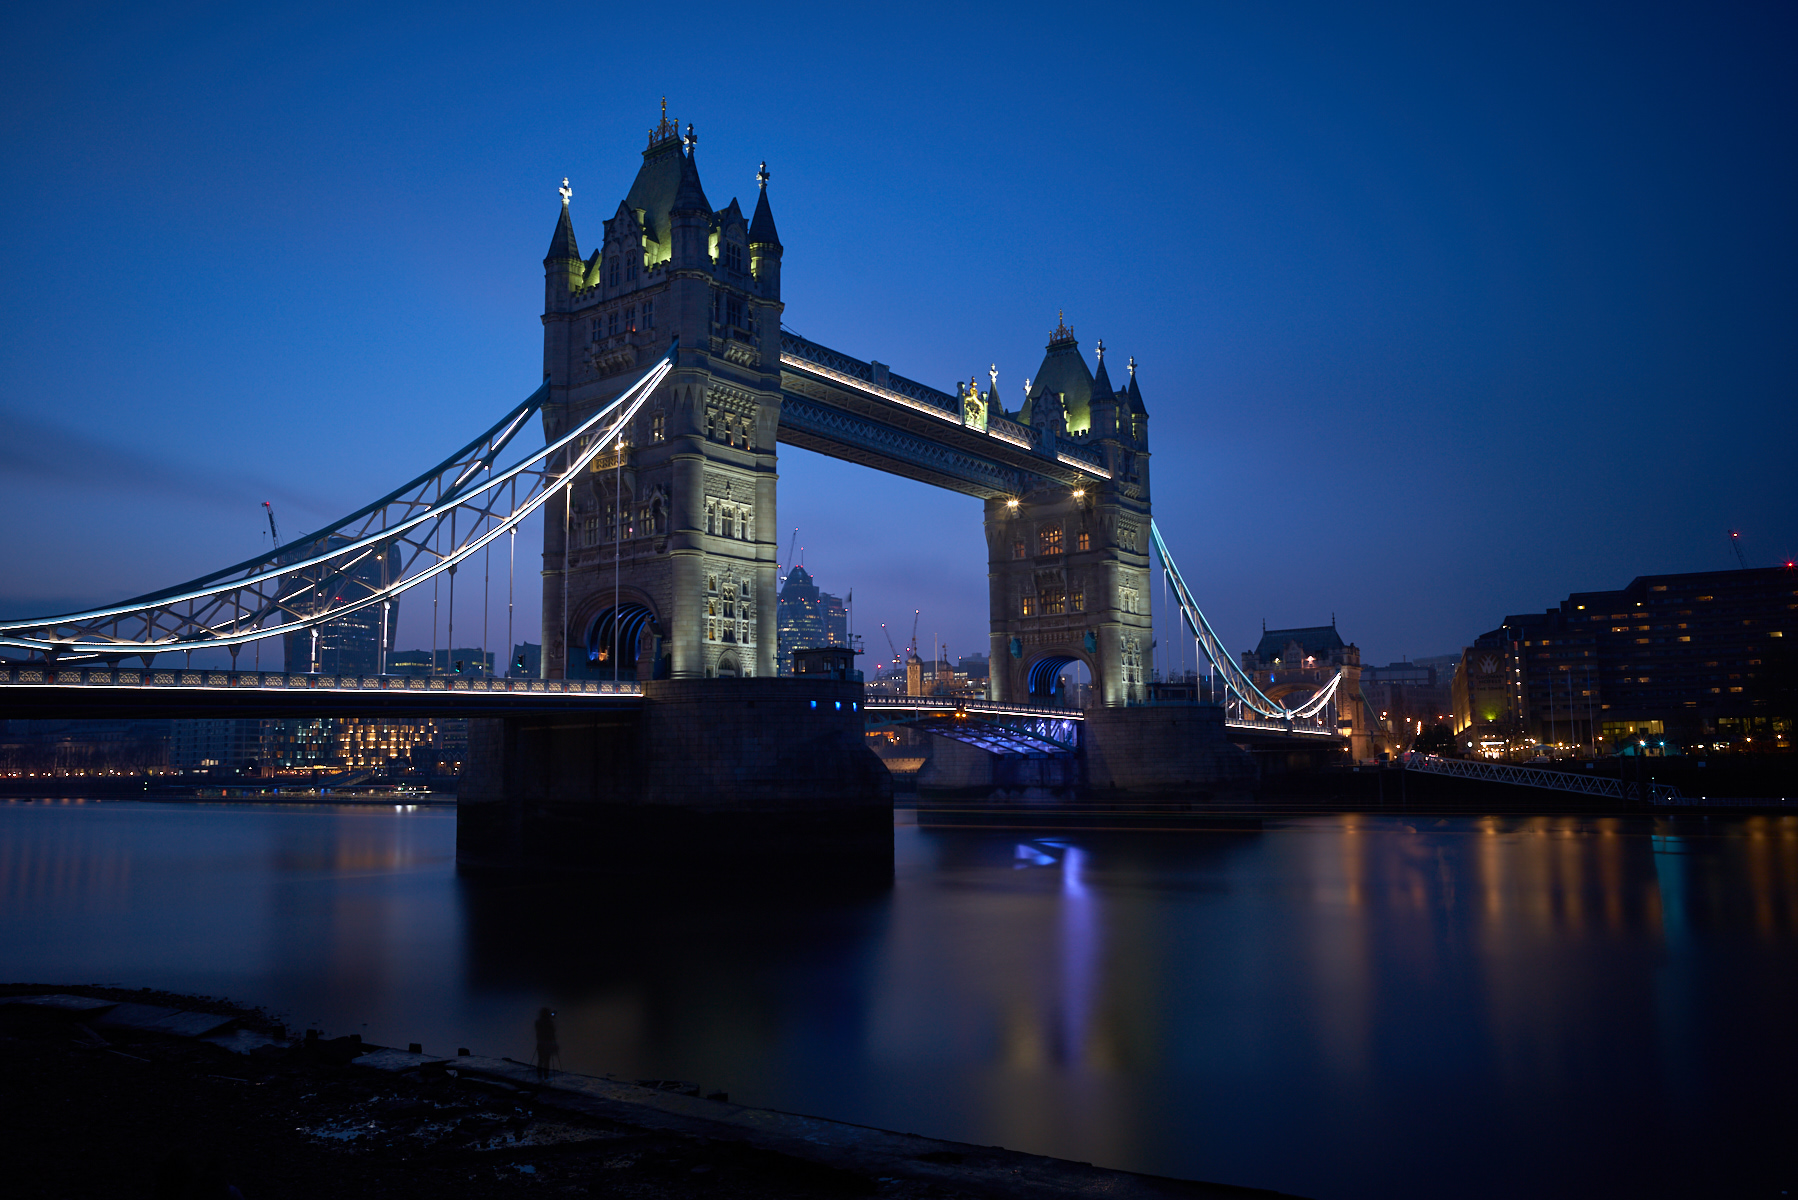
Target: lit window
{"x": 658, "y": 426}
{"x": 1083, "y": 541}
{"x": 630, "y": 319}
{"x": 1077, "y": 601}
{"x": 1049, "y": 540}
{"x": 1017, "y": 549}
{"x": 1030, "y": 606}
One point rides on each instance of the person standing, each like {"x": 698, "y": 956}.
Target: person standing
{"x": 547, "y": 1048}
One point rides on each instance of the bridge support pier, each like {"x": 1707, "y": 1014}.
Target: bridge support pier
{"x": 1165, "y": 751}
{"x": 766, "y": 778}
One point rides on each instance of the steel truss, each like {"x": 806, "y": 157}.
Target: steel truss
{"x": 999, "y": 728}
{"x": 407, "y": 537}
{"x": 1246, "y": 704}
{"x": 1536, "y": 777}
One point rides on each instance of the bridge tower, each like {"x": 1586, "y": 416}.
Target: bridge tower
{"x": 1068, "y": 566}
{"x": 661, "y": 564}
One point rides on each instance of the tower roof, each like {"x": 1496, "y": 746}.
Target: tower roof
{"x": 658, "y": 179}
{"x": 1064, "y": 371}
{"x": 761, "y": 228}
{"x": 561, "y": 243}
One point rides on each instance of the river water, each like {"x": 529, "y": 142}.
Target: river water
{"x": 1349, "y": 1006}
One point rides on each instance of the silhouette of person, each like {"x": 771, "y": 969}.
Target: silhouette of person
{"x": 547, "y": 1048}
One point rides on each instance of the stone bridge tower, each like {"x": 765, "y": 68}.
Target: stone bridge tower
{"x": 662, "y": 562}
{"x": 1068, "y": 567}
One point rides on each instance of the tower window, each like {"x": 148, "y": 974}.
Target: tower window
{"x": 1049, "y": 540}
{"x": 711, "y": 423}
{"x": 649, "y": 314}
{"x": 612, "y": 323}
{"x": 1029, "y": 605}
{"x": 1077, "y": 601}
{"x": 733, "y": 311}
{"x": 630, "y": 319}
{"x": 630, "y": 268}
{"x": 1017, "y": 550}
{"x": 658, "y": 426}
{"x": 733, "y": 256}
{"x": 612, "y": 272}
{"x": 1083, "y": 541}
{"x": 593, "y": 330}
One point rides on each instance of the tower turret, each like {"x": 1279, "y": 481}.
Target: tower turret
{"x": 562, "y": 266}
{"x": 1139, "y": 416}
{"x": 1104, "y": 402}
{"x": 764, "y": 241}
{"x": 690, "y": 215}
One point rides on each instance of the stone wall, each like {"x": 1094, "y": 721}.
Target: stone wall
{"x": 739, "y": 775}
{"x": 1176, "y": 750}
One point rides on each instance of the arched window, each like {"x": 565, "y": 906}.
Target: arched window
{"x": 612, "y": 272}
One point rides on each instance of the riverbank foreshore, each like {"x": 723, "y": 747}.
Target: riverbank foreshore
{"x": 135, "y": 1093}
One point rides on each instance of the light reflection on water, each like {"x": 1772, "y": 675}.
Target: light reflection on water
{"x": 1343, "y": 1006}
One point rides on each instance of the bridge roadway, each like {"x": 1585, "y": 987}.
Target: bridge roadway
{"x": 859, "y": 411}
{"x": 49, "y": 693}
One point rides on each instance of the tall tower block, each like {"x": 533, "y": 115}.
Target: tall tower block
{"x": 661, "y": 563}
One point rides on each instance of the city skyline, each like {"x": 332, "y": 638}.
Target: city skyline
{"x": 1422, "y": 346}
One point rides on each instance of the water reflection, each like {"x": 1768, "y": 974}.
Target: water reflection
{"x": 1335, "y": 1007}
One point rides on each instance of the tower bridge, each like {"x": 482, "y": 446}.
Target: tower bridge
{"x": 667, "y": 385}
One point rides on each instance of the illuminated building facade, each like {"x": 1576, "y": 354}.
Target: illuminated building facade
{"x": 1068, "y": 568}
{"x": 664, "y": 562}
{"x": 1705, "y": 657}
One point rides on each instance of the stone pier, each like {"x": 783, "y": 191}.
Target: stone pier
{"x": 762, "y": 777}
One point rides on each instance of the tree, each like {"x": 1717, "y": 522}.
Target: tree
{"x": 1437, "y": 739}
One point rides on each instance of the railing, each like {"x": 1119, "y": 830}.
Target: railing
{"x": 161, "y": 679}
{"x": 940, "y": 704}
{"x": 1486, "y": 771}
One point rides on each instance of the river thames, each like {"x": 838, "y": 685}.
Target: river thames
{"x": 1349, "y": 1006}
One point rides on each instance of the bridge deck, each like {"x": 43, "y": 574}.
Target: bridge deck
{"x": 37, "y": 692}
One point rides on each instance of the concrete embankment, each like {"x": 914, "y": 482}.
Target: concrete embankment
{"x": 119, "y": 1093}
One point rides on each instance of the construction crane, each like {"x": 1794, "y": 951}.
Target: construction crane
{"x": 915, "y": 614}
{"x": 790, "y": 545}
{"x": 272, "y": 532}
{"x": 897, "y": 660}
{"x": 1735, "y": 543}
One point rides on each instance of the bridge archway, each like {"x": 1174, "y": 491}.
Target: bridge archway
{"x": 632, "y": 628}
{"x": 1044, "y": 680}
{"x": 729, "y": 667}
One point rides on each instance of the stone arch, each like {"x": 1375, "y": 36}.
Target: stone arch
{"x": 635, "y": 624}
{"x": 1042, "y": 677}
{"x": 729, "y": 665}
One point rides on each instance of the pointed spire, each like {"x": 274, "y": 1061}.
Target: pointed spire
{"x": 691, "y": 196}
{"x": 1136, "y": 405}
{"x": 562, "y": 244}
{"x": 1062, "y": 332}
{"x": 761, "y": 227}
{"x": 1103, "y": 392}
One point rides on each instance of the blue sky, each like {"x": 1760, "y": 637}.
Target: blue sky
{"x": 1440, "y": 315}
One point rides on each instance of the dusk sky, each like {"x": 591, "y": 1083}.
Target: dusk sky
{"x": 1438, "y": 317}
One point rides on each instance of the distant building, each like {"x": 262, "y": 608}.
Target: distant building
{"x": 1706, "y": 657}
{"x": 351, "y": 644}
{"x": 231, "y": 744}
{"x": 526, "y": 661}
{"x": 419, "y": 662}
{"x": 1410, "y": 696}
{"x": 300, "y": 744}
{"x": 807, "y": 617}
